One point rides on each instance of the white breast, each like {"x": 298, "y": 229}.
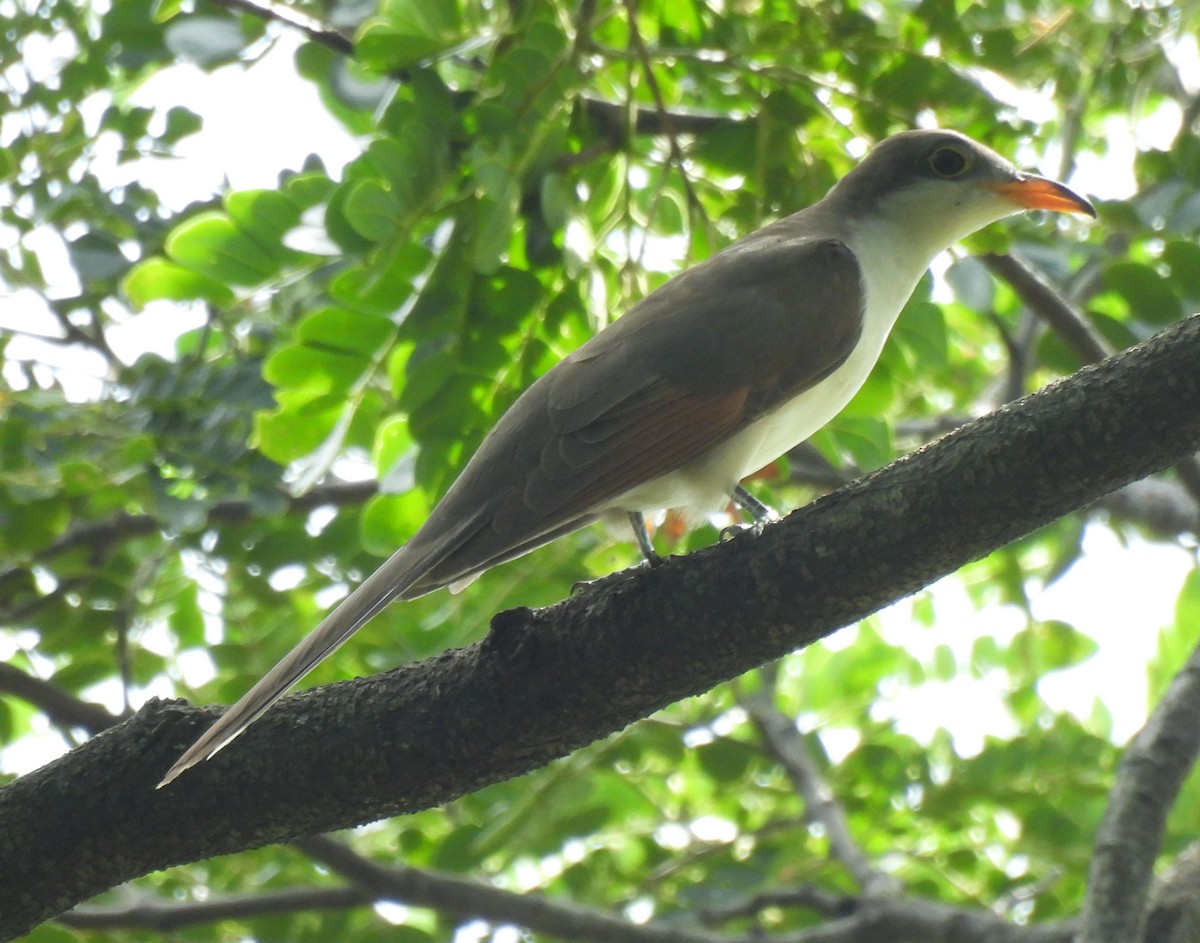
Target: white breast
{"x": 891, "y": 267}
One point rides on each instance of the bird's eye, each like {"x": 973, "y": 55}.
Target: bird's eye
{"x": 948, "y": 162}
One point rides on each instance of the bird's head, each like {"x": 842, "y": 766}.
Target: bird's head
{"x": 936, "y": 187}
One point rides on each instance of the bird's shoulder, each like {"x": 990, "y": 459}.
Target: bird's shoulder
{"x": 778, "y": 306}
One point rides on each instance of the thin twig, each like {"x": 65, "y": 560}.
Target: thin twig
{"x": 310, "y": 26}
{"x": 165, "y": 917}
{"x": 1046, "y": 302}
{"x": 807, "y": 896}
{"x": 675, "y": 152}
{"x": 873, "y": 918}
{"x": 781, "y": 737}
{"x": 1070, "y": 324}
{"x": 465, "y": 899}
{"x": 124, "y": 526}
{"x": 63, "y": 709}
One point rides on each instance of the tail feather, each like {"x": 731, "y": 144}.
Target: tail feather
{"x": 440, "y": 554}
{"x": 398, "y": 574}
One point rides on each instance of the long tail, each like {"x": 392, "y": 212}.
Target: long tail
{"x": 399, "y": 573}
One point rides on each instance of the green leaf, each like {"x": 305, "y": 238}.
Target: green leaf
{"x": 296, "y": 429}
{"x": 212, "y": 244}
{"x": 391, "y": 519}
{"x": 407, "y": 32}
{"x": 181, "y": 122}
{"x": 873, "y": 397}
{"x": 385, "y": 286}
{"x": 32, "y": 525}
{"x": 164, "y": 10}
{"x": 497, "y": 216}
{"x": 316, "y": 371}
{"x": 159, "y": 279}
{"x": 1048, "y": 646}
{"x": 97, "y": 257}
{"x": 340, "y": 331}
{"x": 263, "y": 215}
{"x": 426, "y": 374}
{"x": 1177, "y": 640}
{"x": 373, "y": 210}
{"x": 1183, "y": 257}
{"x": 1149, "y": 295}
{"x": 186, "y": 619}
{"x": 725, "y": 760}
{"x": 868, "y": 441}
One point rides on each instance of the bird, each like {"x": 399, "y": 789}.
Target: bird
{"x": 713, "y": 375}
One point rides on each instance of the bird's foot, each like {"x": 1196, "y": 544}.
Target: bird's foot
{"x": 582, "y": 587}
{"x": 754, "y": 528}
{"x": 762, "y": 514}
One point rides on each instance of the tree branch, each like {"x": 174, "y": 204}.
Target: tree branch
{"x": 1148, "y": 780}
{"x": 465, "y": 899}
{"x": 1045, "y": 301}
{"x": 310, "y": 26}
{"x": 60, "y": 707}
{"x": 98, "y": 535}
{"x": 806, "y": 896}
{"x": 783, "y": 740}
{"x": 548, "y": 682}
{"x": 610, "y": 116}
{"x": 1161, "y": 506}
{"x": 1051, "y": 307}
{"x": 880, "y": 920}
{"x": 163, "y": 918}
{"x": 1174, "y": 912}
{"x": 874, "y": 920}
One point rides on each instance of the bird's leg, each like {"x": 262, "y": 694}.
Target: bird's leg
{"x": 762, "y": 514}
{"x": 642, "y": 536}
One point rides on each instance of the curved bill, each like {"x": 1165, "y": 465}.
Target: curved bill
{"x": 1039, "y": 193}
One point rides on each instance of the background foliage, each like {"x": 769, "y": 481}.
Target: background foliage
{"x": 172, "y": 523}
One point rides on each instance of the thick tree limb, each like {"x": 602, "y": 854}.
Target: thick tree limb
{"x": 1174, "y": 912}
{"x": 1044, "y": 300}
{"x": 1148, "y": 780}
{"x": 548, "y": 682}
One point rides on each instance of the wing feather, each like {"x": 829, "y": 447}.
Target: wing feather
{"x": 689, "y": 366}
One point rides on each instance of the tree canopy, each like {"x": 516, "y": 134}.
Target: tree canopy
{"x": 218, "y": 417}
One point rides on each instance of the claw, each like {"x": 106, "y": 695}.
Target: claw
{"x": 736, "y": 530}
{"x": 582, "y": 587}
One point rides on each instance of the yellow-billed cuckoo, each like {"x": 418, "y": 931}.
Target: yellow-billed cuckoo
{"x": 717, "y": 373}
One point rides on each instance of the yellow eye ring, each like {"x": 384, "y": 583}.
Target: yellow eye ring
{"x": 949, "y": 162}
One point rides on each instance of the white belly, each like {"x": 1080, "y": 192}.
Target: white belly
{"x": 704, "y": 484}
